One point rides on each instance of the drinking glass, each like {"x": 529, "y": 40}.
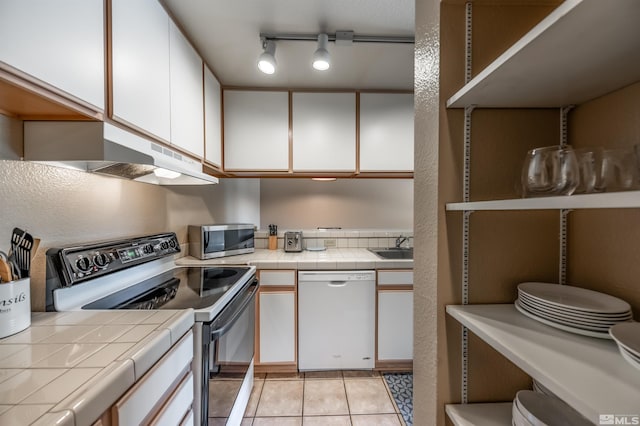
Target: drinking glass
{"x": 619, "y": 169}
{"x": 551, "y": 170}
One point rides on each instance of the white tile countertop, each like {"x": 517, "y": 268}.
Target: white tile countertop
{"x": 330, "y": 259}
{"x": 67, "y": 368}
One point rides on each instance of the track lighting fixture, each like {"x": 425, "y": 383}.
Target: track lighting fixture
{"x": 321, "y": 57}
{"x": 267, "y": 61}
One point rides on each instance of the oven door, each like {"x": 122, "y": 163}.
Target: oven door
{"x": 229, "y": 374}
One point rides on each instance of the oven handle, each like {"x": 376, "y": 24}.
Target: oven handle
{"x": 223, "y": 324}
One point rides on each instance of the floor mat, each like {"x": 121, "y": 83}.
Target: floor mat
{"x": 401, "y": 386}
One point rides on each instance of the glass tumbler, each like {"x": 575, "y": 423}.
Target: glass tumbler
{"x": 549, "y": 171}
{"x": 619, "y": 169}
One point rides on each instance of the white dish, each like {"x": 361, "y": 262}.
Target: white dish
{"x": 599, "y": 335}
{"x": 517, "y": 417}
{"x": 573, "y": 312}
{"x": 629, "y": 358}
{"x": 541, "y": 410}
{"x": 628, "y": 336}
{"x": 575, "y": 298}
{"x": 540, "y": 388}
{"x": 564, "y": 320}
{"x": 575, "y": 318}
{"x": 316, "y": 248}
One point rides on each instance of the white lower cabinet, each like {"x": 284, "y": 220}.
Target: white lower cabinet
{"x": 163, "y": 394}
{"x": 395, "y": 325}
{"x": 277, "y": 327}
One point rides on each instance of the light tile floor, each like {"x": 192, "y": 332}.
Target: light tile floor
{"x": 332, "y": 398}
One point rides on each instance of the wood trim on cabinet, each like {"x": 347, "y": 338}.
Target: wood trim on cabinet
{"x": 276, "y": 368}
{"x": 357, "y": 172}
{"x": 400, "y": 366}
{"x": 28, "y": 98}
{"x": 108, "y": 59}
{"x": 290, "y": 93}
{"x": 221, "y": 127}
{"x": 391, "y": 287}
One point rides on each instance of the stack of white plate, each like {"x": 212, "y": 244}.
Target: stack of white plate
{"x": 573, "y": 309}
{"x": 540, "y": 388}
{"x": 536, "y": 409}
{"x": 627, "y": 337}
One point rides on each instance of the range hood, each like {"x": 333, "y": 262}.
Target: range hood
{"x": 103, "y": 148}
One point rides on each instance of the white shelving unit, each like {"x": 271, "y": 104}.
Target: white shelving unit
{"x": 490, "y": 414}
{"x": 587, "y": 373}
{"x": 611, "y": 200}
{"x": 563, "y": 59}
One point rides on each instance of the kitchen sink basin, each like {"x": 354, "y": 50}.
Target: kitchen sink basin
{"x": 393, "y": 253}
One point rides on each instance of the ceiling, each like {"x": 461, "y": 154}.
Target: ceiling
{"x": 226, "y": 33}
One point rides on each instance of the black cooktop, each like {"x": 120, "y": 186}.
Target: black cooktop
{"x": 179, "y": 288}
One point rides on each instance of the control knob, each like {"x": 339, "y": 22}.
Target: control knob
{"x": 83, "y": 264}
{"x": 164, "y": 245}
{"x": 172, "y": 243}
{"x": 147, "y": 249}
{"x": 101, "y": 260}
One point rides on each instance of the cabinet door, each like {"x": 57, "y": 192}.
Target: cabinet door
{"x": 395, "y": 325}
{"x": 212, "y": 119}
{"x": 277, "y": 327}
{"x": 324, "y": 132}
{"x": 59, "y": 43}
{"x": 140, "y": 52}
{"x": 256, "y": 130}
{"x": 187, "y": 115}
{"x": 386, "y": 132}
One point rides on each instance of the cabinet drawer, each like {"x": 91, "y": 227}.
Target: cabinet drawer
{"x": 278, "y": 278}
{"x": 178, "y": 405}
{"x": 403, "y": 277}
{"x": 139, "y": 401}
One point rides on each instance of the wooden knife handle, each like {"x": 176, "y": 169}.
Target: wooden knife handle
{"x": 5, "y": 271}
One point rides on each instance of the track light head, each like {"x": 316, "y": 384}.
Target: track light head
{"x": 321, "y": 57}
{"x": 267, "y": 60}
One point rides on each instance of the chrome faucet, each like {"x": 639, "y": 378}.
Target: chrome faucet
{"x": 401, "y": 239}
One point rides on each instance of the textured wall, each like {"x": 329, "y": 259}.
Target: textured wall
{"x": 425, "y": 364}
{"x": 346, "y": 203}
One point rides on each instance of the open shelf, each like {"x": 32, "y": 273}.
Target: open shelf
{"x": 582, "y": 50}
{"x": 587, "y": 373}
{"x": 491, "y": 414}
{"x": 609, "y": 200}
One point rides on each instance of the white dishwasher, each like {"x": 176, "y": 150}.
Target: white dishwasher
{"x": 336, "y": 320}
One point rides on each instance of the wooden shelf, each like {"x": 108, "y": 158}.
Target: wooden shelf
{"x": 588, "y": 374}
{"x": 610, "y": 200}
{"x": 582, "y": 50}
{"x": 492, "y": 414}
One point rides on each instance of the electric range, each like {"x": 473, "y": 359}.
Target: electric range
{"x": 140, "y": 273}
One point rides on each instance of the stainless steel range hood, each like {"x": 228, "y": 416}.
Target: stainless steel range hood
{"x": 106, "y": 149}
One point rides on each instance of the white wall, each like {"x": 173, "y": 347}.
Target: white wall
{"x": 345, "y": 203}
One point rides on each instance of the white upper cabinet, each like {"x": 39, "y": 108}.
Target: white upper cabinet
{"x": 324, "y": 132}
{"x": 212, "y": 119}
{"x": 59, "y": 43}
{"x": 141, "y": 79}
{"x": 386, "y": 132}
{"x": 187, "y": 116}
{"x": 256, "y": 130}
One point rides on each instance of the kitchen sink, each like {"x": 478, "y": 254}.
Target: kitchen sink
{"x": 393, "y": 253}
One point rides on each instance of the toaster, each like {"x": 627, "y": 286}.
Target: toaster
{"x": 293, "y": 241}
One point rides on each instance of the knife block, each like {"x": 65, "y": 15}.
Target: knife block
{"x": 273, "y": 242}
{"x": 15, "y": 306}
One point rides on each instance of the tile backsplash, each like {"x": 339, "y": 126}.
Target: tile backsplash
{"x": 341, "y": 238}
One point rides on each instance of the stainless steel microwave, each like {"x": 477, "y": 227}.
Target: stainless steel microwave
{"x": 226, "y": 239}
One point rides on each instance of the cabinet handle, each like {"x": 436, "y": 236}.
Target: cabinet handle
{"x": 337, "y": 283}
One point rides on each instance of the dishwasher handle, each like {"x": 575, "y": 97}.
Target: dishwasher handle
{"x": 337, "y": 284}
